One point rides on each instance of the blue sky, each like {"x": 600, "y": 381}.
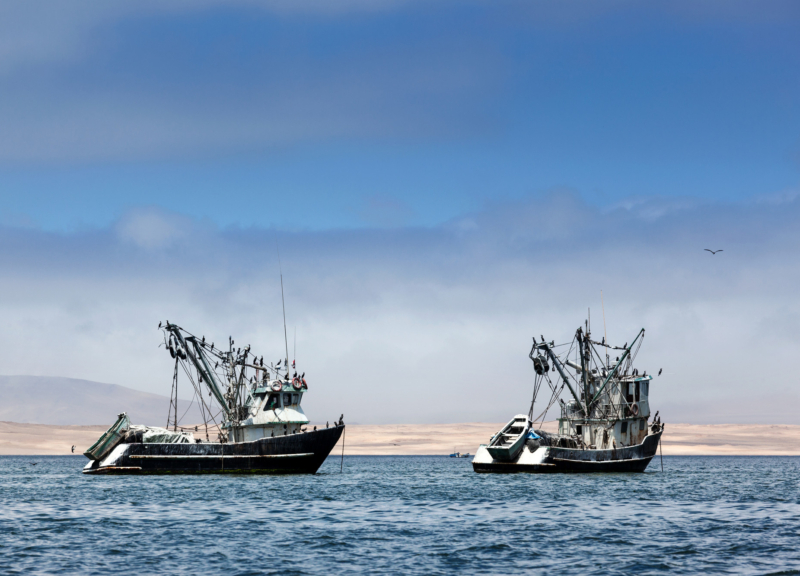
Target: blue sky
{"x": 445, "y": 179}
{"x": 389, "y": 114}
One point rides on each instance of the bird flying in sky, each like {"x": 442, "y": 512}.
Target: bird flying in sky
{"x": 712, "y": 251}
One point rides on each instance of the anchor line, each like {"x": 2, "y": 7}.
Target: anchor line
{"x": 344, "y": 434}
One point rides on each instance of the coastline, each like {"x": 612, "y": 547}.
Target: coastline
{"x": 441, "y": 439}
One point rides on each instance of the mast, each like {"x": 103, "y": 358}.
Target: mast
{"x": 285, "y": 337}
{"x": 605, "y": 330}
{"x": 582, "y": 343}
{"x": 283, "y": 303}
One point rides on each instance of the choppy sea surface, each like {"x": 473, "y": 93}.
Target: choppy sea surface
{"x": 409, "y": 515}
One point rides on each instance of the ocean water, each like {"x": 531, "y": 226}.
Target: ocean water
{"x": 404, "y": 515}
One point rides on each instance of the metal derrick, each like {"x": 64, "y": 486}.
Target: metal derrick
{"x": 592, "y": 368}
{"x": 224, "y": 373}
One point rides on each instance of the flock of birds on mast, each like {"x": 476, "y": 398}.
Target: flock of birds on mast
{"x": 177, "y": 351}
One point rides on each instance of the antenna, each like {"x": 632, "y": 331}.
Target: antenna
{"x": 605, "y": 331}
{"x": 294, "y": 352}
{"x": 283, "y": 302}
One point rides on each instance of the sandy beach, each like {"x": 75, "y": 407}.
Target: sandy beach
{"x": 432, "y": 439}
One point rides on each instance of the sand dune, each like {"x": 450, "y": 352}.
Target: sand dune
{"x": 431, "y": 439}
{"x": 41, "y": 439}
{"x": 678, "y": 439}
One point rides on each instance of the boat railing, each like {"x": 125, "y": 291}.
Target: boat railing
{"x": 602, "y": 411}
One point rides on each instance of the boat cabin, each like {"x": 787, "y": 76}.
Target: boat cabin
{"x": 273, "y": 410}
{"x": 618, "y": 418}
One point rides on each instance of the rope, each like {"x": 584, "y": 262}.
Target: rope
{"x": 344, "y": 434}
{"x": 197, "y": 391}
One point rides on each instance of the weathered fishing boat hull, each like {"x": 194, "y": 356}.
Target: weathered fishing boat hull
{"x": 300, "y": 453}
{"x": 548, "y": 459}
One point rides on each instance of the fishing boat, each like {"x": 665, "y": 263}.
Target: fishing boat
{"x": 604, "y": 424}
{"x": 253, "y": 408}
{"x": 459, "y": 454}
{"x": 506, "y": 445}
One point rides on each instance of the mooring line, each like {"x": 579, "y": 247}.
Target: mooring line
{"x": 344, "y": 433}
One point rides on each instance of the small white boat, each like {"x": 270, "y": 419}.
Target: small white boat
{"x": 507, "y": 444}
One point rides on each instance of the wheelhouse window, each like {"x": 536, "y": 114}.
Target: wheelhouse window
{"x": 623, "y": 427}
{"x": 273, "y": 402}
{"x": 287, "y": 399}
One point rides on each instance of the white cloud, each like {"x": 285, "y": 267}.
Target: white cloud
{"x": 416, "y": 325}
{"x": 152, "y": 228}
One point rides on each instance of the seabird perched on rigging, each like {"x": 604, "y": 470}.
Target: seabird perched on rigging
{"x": 303, "y": 375}
{"x": 712, "y": 251}
{"x": 203, "y": 341}
{"x": 279, "y": 362}
{"x": 660, "y": 370}
{"x": 159, "y": 324}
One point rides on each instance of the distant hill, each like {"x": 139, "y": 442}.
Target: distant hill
{"x": 67, "y": 401}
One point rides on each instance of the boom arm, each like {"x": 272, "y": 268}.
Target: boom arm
{"x": 544, "y": 346}
{"x": 199, "y": 361}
